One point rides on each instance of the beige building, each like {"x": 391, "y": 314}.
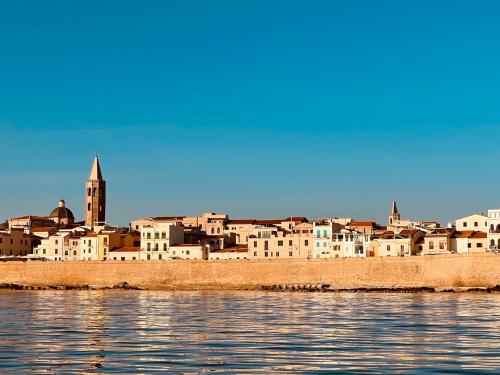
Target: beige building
{"x": 438, "y": 242}
{"x": 464, "y": 242}
{"x": 95, "y": 207}
{"x": 241, "y": 229}
{"x": 14, "y": 242}
{"x": 404, "y": 243}
{"x": 268, "y": 241}
{"x": 474, "y": 222}
{"x": 188, "y": 251}
{"x": 125, "y": 253}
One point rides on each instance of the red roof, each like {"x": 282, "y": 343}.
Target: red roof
{"x": 469, "y": 234}
{"x": 242, "y": 221}
{"x": 269, "y": 222}
{"x": 234, "y": 249}
{"x": 44, "y": 229}
{"x": 127, "y": 249}
{"x": 362, "y": 223}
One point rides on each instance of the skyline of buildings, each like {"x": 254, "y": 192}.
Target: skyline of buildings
{"x": 213, "y": 236}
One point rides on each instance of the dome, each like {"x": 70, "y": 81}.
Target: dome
{"x": 62, "y": 212}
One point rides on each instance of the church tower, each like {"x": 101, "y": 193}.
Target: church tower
{"x": 394, "y": 216}
{"x": 95, "y": 207}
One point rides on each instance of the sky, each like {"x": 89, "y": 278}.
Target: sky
{"x": 258, "y": 109}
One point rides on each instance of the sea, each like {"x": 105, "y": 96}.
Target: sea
{"x": 248, "y": 332}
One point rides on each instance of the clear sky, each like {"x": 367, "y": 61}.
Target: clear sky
{"x": 254, "y": 108}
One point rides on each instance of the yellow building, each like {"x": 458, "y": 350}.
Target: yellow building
{"x": 14, "y": 242}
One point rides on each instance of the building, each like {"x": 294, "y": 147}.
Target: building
{"x": 464, "y": 242}
{"x": 474, "y": 222}
{"x": 404, "y": 243}
{"x": 61, "y": 215}
{"x": 438, "y": 242}
{"x": 350, "y": 244}
{"x": 493, "y": 230}
{"x": 52, "y": 248}
{"x": 241, "y": 229}
{"x": 14, "y": 242}
{"x": 158, "y": 238}
{"x": 95, "y": 207}
{"x": 323, "y": 239}
{"x": 125, "y": 253}
{"x": 30, "y": 221}
{"x": 230, "y": 253}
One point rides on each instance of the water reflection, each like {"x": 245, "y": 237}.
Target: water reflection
{"x": 226, "y": 332}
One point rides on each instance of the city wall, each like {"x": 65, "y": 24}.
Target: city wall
{"x": 474, "y": 270}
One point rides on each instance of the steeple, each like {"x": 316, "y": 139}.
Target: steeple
{"x": 95, "y": 207}
{"x": 394, "y": 216}
{"x": 95, "y": 172}
{"x": 394, "y": 208}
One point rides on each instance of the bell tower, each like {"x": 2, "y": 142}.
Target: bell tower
{"x": 95, "y": 207}
{"x": 394, "y": 216}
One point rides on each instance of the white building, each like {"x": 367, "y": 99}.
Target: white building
{"x": 322, "y": 240}
{"x": 158, "y": 238}
{"x": 350, "y": 244}
{"x": 493, "y": 229}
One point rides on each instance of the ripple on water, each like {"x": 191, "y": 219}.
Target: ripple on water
{"x": 247, "y": 332}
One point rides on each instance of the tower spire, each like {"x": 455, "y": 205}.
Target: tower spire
{"x": 394, "y": 208}
{"x": 95, "y": 172}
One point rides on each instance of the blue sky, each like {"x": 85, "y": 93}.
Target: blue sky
{"x": 254, "y": 108}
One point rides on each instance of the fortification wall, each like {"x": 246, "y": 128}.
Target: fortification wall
{"x": 471, "y": 270}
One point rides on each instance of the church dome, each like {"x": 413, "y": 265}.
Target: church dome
{"x": 62, "y": 212}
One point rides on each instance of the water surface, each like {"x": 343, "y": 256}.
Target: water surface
{"x": 46, "y": 332}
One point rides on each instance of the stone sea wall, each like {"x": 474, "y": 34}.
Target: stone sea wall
{"x": 474, "y": 270}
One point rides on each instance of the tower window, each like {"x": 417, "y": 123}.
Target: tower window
{"x": 88, "y": 206}
{"x": 88, "y": 193}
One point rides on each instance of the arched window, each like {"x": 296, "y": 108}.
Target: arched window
{"x": 218, "y": 230}
{"x": 492, "y": 243}
{"x": 88, "y": 193}
{"x": 88, "y": 206}
{"x": 213, "y": 230}
{"x": 492, "y": 227}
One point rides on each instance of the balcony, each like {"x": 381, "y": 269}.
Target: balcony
{"x": 495, "y": 231}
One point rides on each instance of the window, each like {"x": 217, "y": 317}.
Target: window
{"x": 402, "y": 247}
{"x": 163, "y": 235}
{"x": 317, "y": 244}
{"x": 148, "y": 257}
{"x": 469, "y": 245}
{"x": 441, "y": 245}
{"x": 164, "y": 247}
{"x": 213, "y": 230}
{"x": 290, "y": 242}
{"x": 148, "y": 235}
{"x": 318, "y": 233}
{"x": 133, "y": 258}
{"x": 254, "y": 253}
{"x": 306, "y": 242}
{"x": 280, "y": 243}
{"x": 66, "y": 252}
{"x": 431, "y": 245}
{"x": 187, "y": 252}
{"x": 324, "y": 244}
{"x": 88, "y": 193}
{"x": 465, "y": 224}
{"x": 218, "y": 230}
{"x": 156, "y": 247}
{"x": 74, "y": 252}
{"x": 105, "y": 240}
{"x": 479, "y": 244}
{"x": 266, "y": 254}
{"x": 325, "y": 233}
{"x": 149, "y": 246}
{"x": 388, "y": 247}
{"x": 254, "y": 243}
{"x": 266, "y": 245}
{"x": 88, "y": 206}
{"x": 159, "y": 257}
{"x": 476, "y": 224}
{"x": 122, "y": 258}
{"x": 290, "y": 253}
{"x": 157, "y": 235}
{"x": 277, "y": 253}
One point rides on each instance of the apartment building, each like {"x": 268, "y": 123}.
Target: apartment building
{"x": 231, "y": 253}
{"x": 14, "y": 242}
{"x": 269, "y": 241}
{"x": 464, "y": 242}
{"x": 158, "y": 237}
